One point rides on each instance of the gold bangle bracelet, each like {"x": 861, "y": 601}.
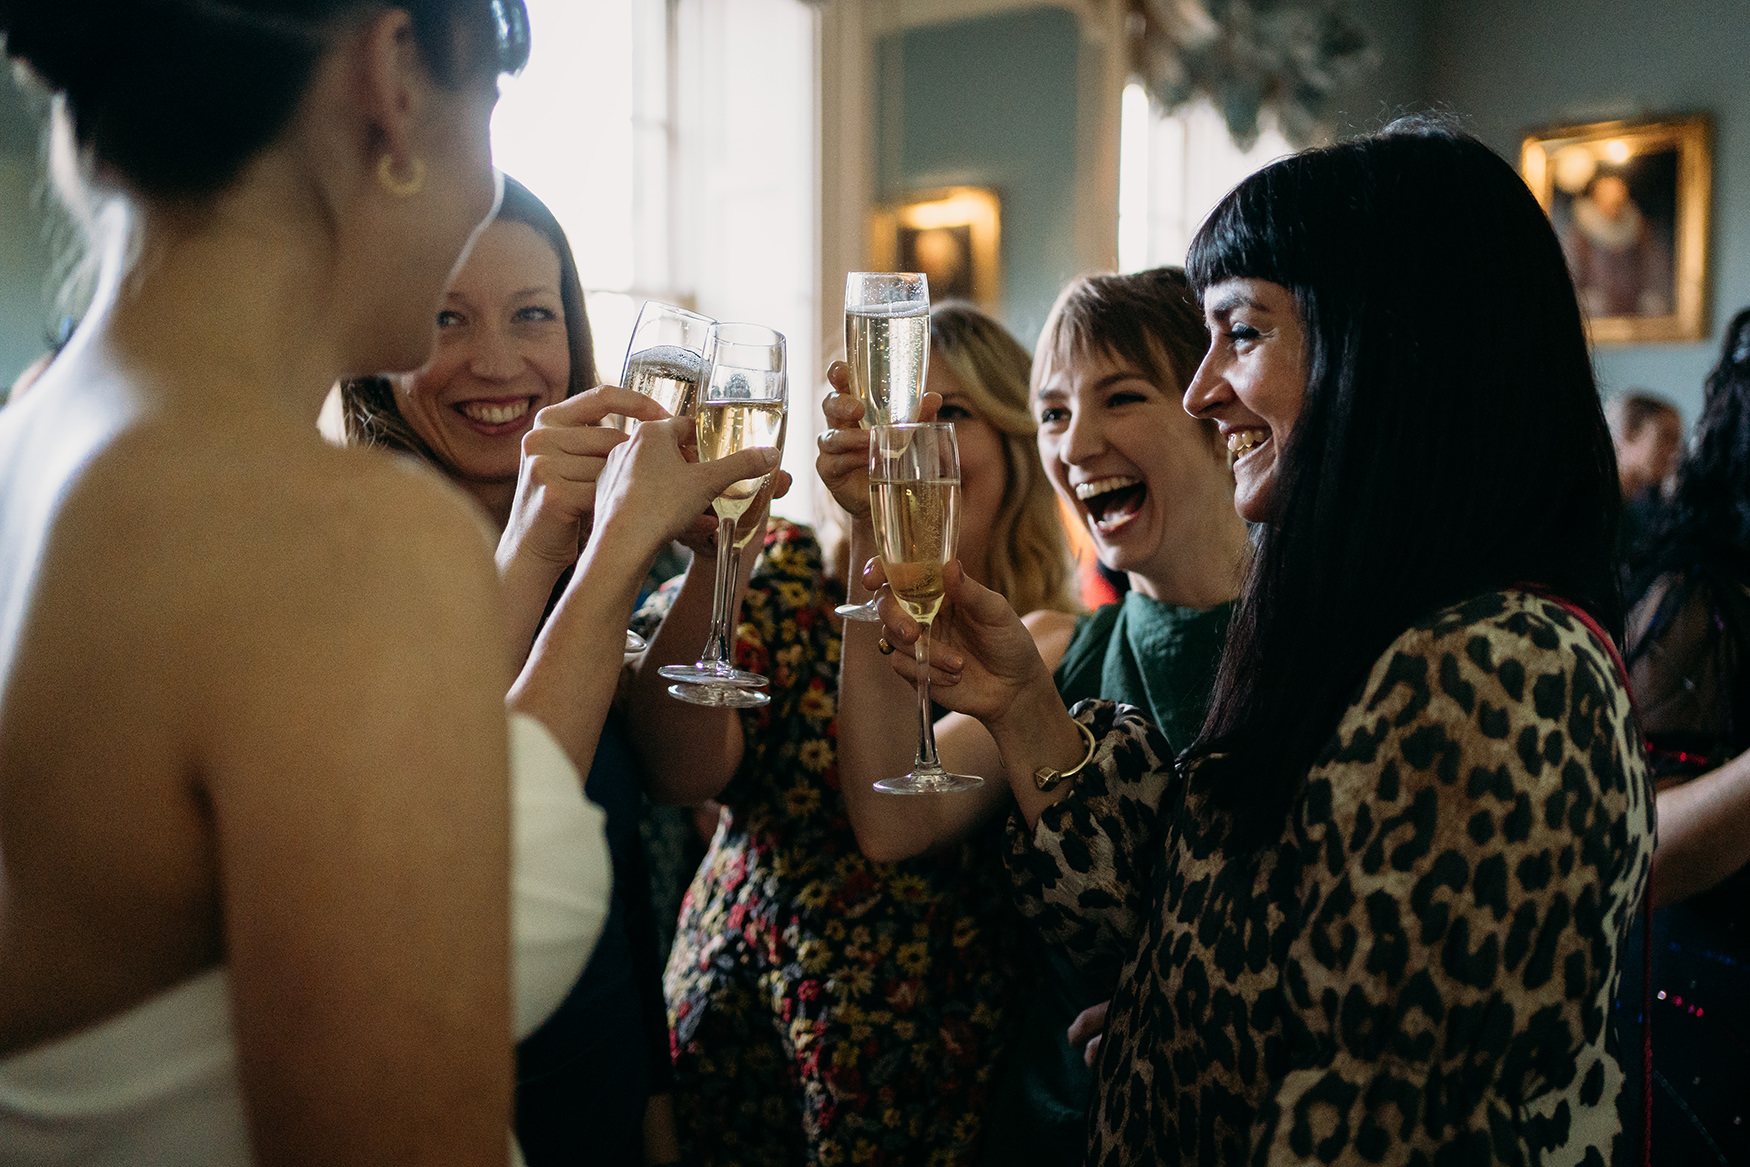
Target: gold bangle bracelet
{"x": 1047, "y": 779}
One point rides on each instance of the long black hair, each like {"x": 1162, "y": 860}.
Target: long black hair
{"x": 1705, "y": 528}
{"x": 367, "y": 404}
{"x": 1451, "y": 441}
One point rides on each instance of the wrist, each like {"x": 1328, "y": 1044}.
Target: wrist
{"x": 1036, "y": 730}
{"x": 520, "y": 564}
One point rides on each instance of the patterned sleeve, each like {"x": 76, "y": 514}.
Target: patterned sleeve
{"x": 1081, "y": 875}
{"x": 1473, "y": 844}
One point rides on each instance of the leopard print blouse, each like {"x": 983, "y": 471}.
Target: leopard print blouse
{"x": 1422, "y": 970}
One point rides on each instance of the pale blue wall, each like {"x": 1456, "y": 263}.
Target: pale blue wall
{"x": 1512, "y": 66}
{"x": 990, "y": 102}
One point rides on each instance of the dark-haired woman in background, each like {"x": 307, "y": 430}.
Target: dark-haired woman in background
{"x": 1376, "y": 916}
{"x": 1689, "y": 661}
{"x": 513, "y": 339}
{"x": 256, "y": 828}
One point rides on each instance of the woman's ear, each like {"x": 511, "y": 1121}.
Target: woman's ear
{"x": 394, "y": 84}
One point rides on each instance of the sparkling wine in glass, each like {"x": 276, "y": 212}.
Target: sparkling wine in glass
{"x": 887, "y": 342}
{"x": 914, "y": 491}
{"x": 665, "y": 361}
{"x": 742, "y": 404}
{"x": 666, "y": 358}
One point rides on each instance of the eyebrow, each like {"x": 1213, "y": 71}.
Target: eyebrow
{"x": 534, "y": 290}
{"x": 1228, "y": 301}
{"x": 1110, "y": 379}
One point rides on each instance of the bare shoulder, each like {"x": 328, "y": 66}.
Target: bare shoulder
{"x": 271, "y": 558}
{"x": 1051, "y": 631}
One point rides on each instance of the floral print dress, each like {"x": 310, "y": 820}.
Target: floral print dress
{"x": 826, "y": 1009}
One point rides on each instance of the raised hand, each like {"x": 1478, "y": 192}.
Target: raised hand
{"x": 563, "y": 458}
{"x": 650, "y": 491}
{"x": 843, "y": 462}
{"x": 981, "y": 656}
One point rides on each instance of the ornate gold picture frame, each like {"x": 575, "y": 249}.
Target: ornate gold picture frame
{"x": 952, "y": 235}
{"x": 1629, "y": 201}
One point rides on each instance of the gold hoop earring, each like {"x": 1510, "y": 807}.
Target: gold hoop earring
{"x": 401, "y": 188}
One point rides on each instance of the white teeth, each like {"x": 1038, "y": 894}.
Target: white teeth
{"x": 487, "y": 414}
{"x": 1087, "y": 490}
{"x": 1242, "y": 442}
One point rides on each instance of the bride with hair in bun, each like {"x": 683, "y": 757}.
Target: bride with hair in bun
{"x": 263, "y": 815}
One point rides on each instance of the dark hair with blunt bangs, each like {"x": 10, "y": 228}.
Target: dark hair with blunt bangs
{"x": 1147, "y": 319}
{"x": 170, "y": 98}
{"x": 1451, "y": 440}
{"x": 367, "y": 404}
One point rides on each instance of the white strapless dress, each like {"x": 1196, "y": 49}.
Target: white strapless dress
{"x": 158, "y": 1084}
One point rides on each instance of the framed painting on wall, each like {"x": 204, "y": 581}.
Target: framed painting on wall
{"x": 1629, "y": 201}
{"x": 950, "y": 235}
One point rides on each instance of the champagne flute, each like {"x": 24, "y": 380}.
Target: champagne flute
{"x": 887, "y": 341}
{"x": 741, "y": 404}
{"x": 914, "y": 490}
{"x": 664, "y": 361}
{"x": 666, "y": 357}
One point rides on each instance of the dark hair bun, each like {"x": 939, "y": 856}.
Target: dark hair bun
{"x": 173, "y": 97}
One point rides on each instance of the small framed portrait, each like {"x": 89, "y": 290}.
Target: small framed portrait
{"x": 951, "y": 235}
{"x": 1629, "y": 201}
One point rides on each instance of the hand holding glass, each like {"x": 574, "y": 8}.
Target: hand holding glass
{"x": 664, "y": 361}
{"x": 741, "y": 404}
{"x": 914, "y": 499}
{"x": 887, "y": 344}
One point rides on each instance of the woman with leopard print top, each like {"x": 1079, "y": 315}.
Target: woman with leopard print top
{"x": 1375, "y": 913}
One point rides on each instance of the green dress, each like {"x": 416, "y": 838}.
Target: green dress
{"x": 1161, "y": 659}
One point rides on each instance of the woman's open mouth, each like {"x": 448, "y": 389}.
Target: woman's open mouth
{"x": 1111, "y": 502}
{"x": 1243, "y": 442}
{"x": 497, "y": 415}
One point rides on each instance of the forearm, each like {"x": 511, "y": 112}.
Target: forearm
{"x": 1703, "y": 832}
{"x": 528, "y": 582}
{"x": 573, "y": 669}
{"x": 698, "y": 748}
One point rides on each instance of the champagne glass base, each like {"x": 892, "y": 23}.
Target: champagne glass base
{"x": 929, "y": 782}
{"x": 719, "y": 695}
{"x": 866, "y": 612}
{"x": 704, "y": 673}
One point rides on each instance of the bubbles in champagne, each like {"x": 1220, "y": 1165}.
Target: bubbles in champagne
{"x": 668, "y": 374}
{"x": 916, "y": 526}
{"x": 727, "y": 426}
{"x": 889, "y": 350}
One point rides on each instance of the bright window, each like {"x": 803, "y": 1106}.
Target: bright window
{"x": 1172, "y": 170}
{"x": 675, "y": 140}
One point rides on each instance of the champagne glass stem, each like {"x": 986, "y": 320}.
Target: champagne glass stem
{"x": 926, "y": 760}
{"x": 728, "y": 565}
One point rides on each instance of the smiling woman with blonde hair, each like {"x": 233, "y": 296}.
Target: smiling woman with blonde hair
{"x": 829, "y": 1004}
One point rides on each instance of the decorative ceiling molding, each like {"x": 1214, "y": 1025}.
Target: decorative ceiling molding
{"x": 1250, "y": 56}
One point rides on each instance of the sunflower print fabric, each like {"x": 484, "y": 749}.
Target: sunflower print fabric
{"x": 826, "y": 1009}
{"x": 1421, "y": 971}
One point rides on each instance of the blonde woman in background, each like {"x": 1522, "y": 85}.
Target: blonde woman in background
{"x": 826, "y": 1006}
